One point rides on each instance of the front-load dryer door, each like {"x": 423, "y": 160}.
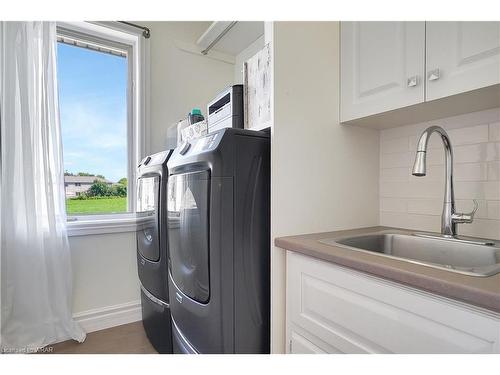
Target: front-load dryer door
{"x": 188, "y": 233}
{"x": 148, "y": 194}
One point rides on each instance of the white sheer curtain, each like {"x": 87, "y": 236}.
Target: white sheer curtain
{"x": 36, "y": 278}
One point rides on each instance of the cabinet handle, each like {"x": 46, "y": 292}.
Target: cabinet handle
{"x": 412, "y": 81}
{"x": 433, "y": 75}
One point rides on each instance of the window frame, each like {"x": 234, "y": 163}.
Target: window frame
{"x": 122, "y": 37}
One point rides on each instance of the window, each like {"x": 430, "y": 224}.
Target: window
{"x": 93, "y": 106}
{"x": 101, "y": 70}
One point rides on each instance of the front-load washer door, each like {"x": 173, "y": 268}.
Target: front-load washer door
{"x": 148, "y": 241}
{"x": 188, "y": 233}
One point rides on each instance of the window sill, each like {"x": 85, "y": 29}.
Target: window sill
{"x": 88, "y": 225}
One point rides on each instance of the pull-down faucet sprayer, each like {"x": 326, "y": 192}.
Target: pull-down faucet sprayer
{"x": 449, "y": 218}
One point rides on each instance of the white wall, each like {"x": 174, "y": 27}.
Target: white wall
{"x": 180, "y": 80}
{"x": 105, "y": 271}
{"x": 416, "y": 202}
{"x": 324, "y": 175}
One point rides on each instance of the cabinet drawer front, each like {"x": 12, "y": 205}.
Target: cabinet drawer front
{"x": 357, "y": 313}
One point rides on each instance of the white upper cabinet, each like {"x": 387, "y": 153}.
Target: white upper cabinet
{"x": 391, "y": 73}
{"x": 461, "y": 56}
{"x": 382, "y": 67}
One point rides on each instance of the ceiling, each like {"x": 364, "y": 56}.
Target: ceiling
{"x": 240, "y": 36}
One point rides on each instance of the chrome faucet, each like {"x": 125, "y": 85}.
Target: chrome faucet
{"x": 449, "y": 218}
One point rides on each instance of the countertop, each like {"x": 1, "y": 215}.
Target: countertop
{"x": 479, "y": 291}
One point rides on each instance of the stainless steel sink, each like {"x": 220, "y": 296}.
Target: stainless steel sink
{"x": 470, "y": 256}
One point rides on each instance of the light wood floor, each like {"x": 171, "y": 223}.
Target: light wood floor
{"x": 124, "y": 339}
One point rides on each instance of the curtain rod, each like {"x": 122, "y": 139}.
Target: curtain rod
{"x": 146, "y": 33}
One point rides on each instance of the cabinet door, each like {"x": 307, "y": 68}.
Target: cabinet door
{"x": 341, "y": 310}
{"x": 298, "y": 344}
{"x": 382, "y": 67}
{"x": 461, "y": 56}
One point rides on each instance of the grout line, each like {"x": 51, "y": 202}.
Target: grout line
{"x": 438, "y": 148}
{"x": 454, "y": 164}
{"x": 424, "y": 77}
{"x": 440, "y": 199}
{"x": 435, "y": 215}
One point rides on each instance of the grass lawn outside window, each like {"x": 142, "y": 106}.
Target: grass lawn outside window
{"x": 92, "y": 206}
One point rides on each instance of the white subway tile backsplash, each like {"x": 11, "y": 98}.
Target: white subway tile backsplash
{"x": 481, "y": 228}
{"x": 470, "y": 119}
{"x": 473, "y": 134}
{"x": 492, "y": 190}
{"x": 435, "y": 157}
{"x": 472, "y": 153}
{"x": 494, "y": 132}
{"x": 493, "y": 210}
{"x": 422, "y": 188}
{"x": 493, "y": 151}
{"x": 424, "y": 222}
{"x": 396, "y": 160}
{"x": 394, "y": 189}
{"x": 494, "y": 170}
{"x": 391, "y": 146}
{"x": 393, "y": 219}
{"x": 393, "y": 205}
{"x": 403, "y": 131}
{"x": 470, "y": 190}
{"x": 418, "y": 188}
{"x": 425, "y": 206}
{"x": 489, "y": 190}
{"x": 416, "y": 202}
{"x": 395, "y": 174}
{"x": 462, "y": 136}
{"x": 470, "y": 172}
{"x": 486, "y": 209}
{"x": 410, "y": 221}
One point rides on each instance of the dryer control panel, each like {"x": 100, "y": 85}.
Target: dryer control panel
{"x": 206, "y": 143}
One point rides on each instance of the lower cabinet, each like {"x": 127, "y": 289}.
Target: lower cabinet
{"x": 302, "y": 345}
{"x": 332, "y": 309}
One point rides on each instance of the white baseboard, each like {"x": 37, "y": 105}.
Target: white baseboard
{"x": 110, "y": 316}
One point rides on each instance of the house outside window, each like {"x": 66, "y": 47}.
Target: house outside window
{"x": 75, "y": 185}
